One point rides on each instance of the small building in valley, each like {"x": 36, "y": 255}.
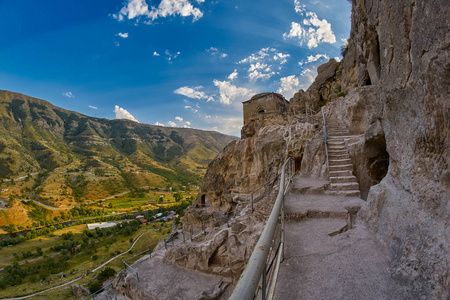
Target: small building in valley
{"x": 264, "y": 104}
{"x": 100, "y": 225}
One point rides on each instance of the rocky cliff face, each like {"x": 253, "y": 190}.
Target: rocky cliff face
{"x": 392, "y": 90}
{"x": 400, "y": 50}
{"x": 240, "y": 169}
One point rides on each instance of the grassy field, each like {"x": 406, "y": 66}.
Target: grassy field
{"x": 44, "y": 242}
{"x": 80, "y": 263}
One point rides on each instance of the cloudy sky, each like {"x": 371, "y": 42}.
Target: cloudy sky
{"x": 182, "y": 63}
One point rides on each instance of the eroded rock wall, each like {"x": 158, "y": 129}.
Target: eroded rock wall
{"x": 240, "y": 169}
{"x": 409, "y": 210}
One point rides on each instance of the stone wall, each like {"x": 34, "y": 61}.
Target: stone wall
{"x": 263, "y": 104}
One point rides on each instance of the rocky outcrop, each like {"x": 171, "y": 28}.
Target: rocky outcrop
{"x": 239, "y": 170}
{"x": 321, "y": 90}
{"x": 400, "y": 52}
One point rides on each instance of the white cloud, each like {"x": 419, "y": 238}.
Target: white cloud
{"x": 338, "y": 59}
{"x": 227, "y": 125}
{"x": 191, "y": 109}
{"x": 179, "y": 119}
{"x": 117, "y": 44}
{"x": 69, "y": 94}
{"x": 171, "y": 124}
{"x": 156, "y": 54}
{"x": 308, "y": 76}
{"x": 312, "y": 58}
{"x": 122, "y": 113}
{"x": 256, "y": 57}
{"x": 281, "y": 57}
{"x": 289, "y": 86}
{"x": 123, "y": 35}
{"x": 186, "y": 126}
{"x": 159, "y": 124}
{"x": 170, "y": 56}
{"x": 93, "y": 107}
{"x": 233, "y": 75}
{"x": 259, "y": 71}
{"x": 193, "y": 93}
{"x": 313, "y": 31}
{"x": 263, "y": 62}
{"x": 139, "y": 8}
{"x": 188, "y": 123}
{"x": 299, "y": 8}
{"x": 229, "y": 92}
{"x": 214, "y": 51}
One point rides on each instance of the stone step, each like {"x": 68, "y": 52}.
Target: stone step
{"x": 340, "y": 167}
{"x": 345, "y": 186}
{"x": 336, "y": 147}
{"x": 342, "y": 137}
{"x": 336, "y": 143}
{"x": 343, "y": 179}
{"x": 338, "y": 156}
{"x": 332, "y": 126}
{"x": 354, "y": 193}
{"x": 337, "y": 151}
{"x": 340, "y": 173}
{"x": 339, "y": 162}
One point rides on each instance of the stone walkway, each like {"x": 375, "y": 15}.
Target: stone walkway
{"x": 326, "y": 255}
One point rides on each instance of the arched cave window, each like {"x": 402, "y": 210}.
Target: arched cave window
{"x": 261, "y": 110}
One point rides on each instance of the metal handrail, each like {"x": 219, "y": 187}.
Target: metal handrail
{"x": 253, "y": 279}
{"x": 308, "y": 113}
{"x": 326, "y": 143}
{"x": 266, "y": 192}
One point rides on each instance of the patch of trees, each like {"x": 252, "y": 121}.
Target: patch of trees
{"x": 97, "y": 283}
{"x": 84, "y": 210}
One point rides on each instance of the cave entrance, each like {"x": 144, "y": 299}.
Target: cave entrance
{"x": 298, "y": 163}
{"x": 203, "y": 200}
{"x": 377, "y": 161}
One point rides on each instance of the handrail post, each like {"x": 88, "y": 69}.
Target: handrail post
{"x": 252, "y": 203}
{"x": 264, "y": 282}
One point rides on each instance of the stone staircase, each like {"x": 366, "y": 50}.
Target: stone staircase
{"x": 342, "y": 180}
{"x": 327, "y": 255}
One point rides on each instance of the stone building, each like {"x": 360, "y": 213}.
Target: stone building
{"x": 264, "y": 104}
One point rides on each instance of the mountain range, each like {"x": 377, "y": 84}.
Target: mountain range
{"x": 37, "y": 137}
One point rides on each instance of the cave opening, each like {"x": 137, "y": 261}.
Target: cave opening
{"x": 203, "y": 200}
{"x": 298, "y": 163}
{"x": 377, "y": 161}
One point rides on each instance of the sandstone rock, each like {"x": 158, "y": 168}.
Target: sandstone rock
{"x": 409, "y": 209}
{"x": 319, "y": 92}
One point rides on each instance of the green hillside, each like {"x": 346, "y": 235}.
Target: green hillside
{"x": 86, "y": 158}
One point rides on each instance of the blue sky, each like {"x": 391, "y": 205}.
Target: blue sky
{"x": 182, "y": 63}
